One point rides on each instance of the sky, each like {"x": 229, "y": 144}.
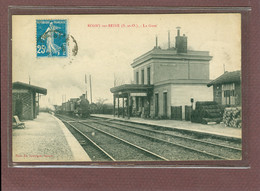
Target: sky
{"x": 106, "y": 53}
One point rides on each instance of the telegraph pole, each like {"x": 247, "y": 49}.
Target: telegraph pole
{"x": 86, "y": 82}
{"x": 169, "y": 39}
{"x": 90, "y": 86}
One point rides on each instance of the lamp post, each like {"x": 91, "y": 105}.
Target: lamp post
{"x": 192, "y": 101}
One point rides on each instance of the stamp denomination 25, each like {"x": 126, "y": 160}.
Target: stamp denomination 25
{"x": 51, "y": 38}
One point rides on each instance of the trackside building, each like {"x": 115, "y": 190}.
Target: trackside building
{"x": 25, "y": 100}
{"x": 227, "y": 89}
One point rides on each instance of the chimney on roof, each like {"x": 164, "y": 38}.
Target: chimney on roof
{"x": 178, "y": 31}
{"x": 181, "y": 43}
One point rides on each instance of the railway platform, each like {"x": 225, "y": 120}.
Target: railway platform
{"x": 46, "y": 139}
{"x": 214, "y": 129}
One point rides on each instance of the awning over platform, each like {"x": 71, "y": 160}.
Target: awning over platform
{"x": 132, "y": 90}
{"x": 126, "y": 92}
{"x": 36, "y": 89}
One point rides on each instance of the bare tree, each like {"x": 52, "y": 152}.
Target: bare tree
{"x": 118, "y": 80}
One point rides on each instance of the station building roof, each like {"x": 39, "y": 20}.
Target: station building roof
{"x": 131, "y": 88}
{"x": 171, "y": 54}
{"x": 21, "y": 85}
{"x": 227, "y": 77}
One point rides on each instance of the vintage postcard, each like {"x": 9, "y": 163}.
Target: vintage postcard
{"x": 126, "y": 87}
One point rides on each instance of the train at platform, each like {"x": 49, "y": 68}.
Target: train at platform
{"x": 76, "y": 107}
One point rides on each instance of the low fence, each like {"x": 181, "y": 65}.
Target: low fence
{"x": 187, "y": 113}
{"x": 176, "y": 112}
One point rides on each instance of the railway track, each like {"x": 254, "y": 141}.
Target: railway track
{"x": 154, "y": 143}
{"x": 133, "y": 151}
{"x": 97, "y": 151}
{"x": 149, "y": 143}
{"x": 225, "y": 151}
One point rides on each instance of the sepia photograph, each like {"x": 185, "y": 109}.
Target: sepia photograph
{"x": 126, "y": 87}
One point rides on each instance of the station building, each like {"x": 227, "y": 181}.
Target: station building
{"x": 25, "y": 100}
{"x": 165, "y": 82}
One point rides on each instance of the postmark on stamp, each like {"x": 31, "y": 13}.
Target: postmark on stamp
{"x": 51, "y": 38}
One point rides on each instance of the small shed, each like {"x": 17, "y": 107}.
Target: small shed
{"x": 25, "y": 100}
{"x": 227, "y": 88}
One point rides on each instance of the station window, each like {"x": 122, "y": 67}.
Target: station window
{"x": 142, "y": 76}
{"x": 227, "y": 96}
{"x": 137, "y": 77}
{"x": 148, "y": 76}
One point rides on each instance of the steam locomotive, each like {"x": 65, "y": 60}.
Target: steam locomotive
{"x": 76, "y": 107}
